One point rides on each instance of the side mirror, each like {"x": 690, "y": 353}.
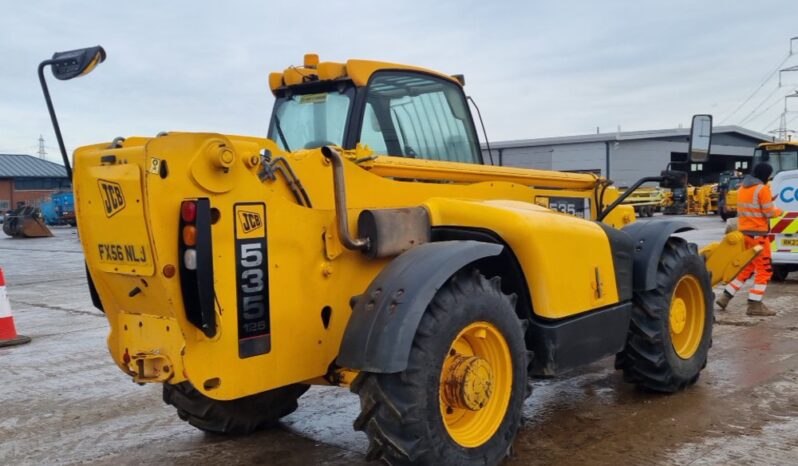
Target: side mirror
{"x": 75, "y": 63}
{"x": 68, "y": 65}
{"x": 700, "y": 138}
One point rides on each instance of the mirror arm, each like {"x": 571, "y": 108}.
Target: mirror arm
{"x": 53, "y": 117}
{"x": 626, "y": 194}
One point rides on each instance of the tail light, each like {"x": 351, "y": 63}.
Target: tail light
{"x": 196, "y": 264}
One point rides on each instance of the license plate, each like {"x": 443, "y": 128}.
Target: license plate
{"x": 789, "y": 242}
{"x": 116, "y": 236}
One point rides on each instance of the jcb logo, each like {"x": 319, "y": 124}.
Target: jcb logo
{"x": 250, "y": 221}
{"x": 113, "y": 199}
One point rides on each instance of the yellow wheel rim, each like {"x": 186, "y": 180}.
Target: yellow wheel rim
{"x": 687, "y": 316}
{"x": 476, "y": 384}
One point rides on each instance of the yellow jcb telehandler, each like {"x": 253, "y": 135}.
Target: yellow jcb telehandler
{"x": 365, "y": 244}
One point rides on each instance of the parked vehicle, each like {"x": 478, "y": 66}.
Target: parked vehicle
{"x": 783, "y": 156}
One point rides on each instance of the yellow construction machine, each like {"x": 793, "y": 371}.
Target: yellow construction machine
{"x": 674, "y": 201}
{"x": 702, "y": 200}
{"x": 365, "y": 244}
{"x": 728, "y": 184}
{"x": 646, "y": 201}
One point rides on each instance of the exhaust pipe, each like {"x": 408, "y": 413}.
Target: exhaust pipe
{"x": 339, "y": 187}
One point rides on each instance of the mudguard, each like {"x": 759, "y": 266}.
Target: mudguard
{"x": 649, "y": 240}
{"x": 384, "y": 319}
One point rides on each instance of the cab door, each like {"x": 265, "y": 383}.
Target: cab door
{"x": 417, "y": 115}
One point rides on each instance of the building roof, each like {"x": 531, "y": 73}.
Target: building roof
{"x": 625, "y": 136}
{"x": 28, "y": 166}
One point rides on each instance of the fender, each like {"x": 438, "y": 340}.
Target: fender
{"x": 384, "y": 319}
{"x": 649, "y": 240}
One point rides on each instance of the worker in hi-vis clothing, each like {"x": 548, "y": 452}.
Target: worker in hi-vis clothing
{"x": 755, "y": 208}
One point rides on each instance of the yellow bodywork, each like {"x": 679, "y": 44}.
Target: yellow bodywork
{"x": 726, "y": 258}
{"x": 128, "y": 202}
{"x": 731, "y": 201}
{"x": 130, "y": 244}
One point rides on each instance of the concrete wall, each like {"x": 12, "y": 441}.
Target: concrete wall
{"x": 527, "y": 157}
{"x": 632, "y": 160}
{"x": 582, "y": 157}
{"x": 629, "y": 160}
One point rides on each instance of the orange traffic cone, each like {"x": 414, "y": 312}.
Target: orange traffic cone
{"x": 8, "y": 333}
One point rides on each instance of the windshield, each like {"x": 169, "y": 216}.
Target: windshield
{"x": 307, "y": 121}
{"x": 779, "y": 160}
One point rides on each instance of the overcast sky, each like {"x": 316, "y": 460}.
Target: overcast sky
{"x": 536, "y": 68}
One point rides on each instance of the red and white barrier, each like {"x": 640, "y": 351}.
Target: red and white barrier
{"x": 8, "y": 332}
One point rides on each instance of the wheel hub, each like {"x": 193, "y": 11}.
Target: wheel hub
{"x": 468, "y": 383}
{"x": 678, "y": 315}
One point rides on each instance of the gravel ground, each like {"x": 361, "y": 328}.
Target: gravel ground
{"x": 63, "y": 401}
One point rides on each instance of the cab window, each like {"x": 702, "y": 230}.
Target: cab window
{"x": 779, "y": 160}
{"x": 307, "y": 121}
{"x": 418, "y": 116}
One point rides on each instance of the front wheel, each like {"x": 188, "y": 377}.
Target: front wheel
{"x": 459, "y": 400}
{"x": 671, "y": 328}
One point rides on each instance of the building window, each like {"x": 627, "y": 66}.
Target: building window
{"x": 4, "y": 205}
{"x": 696, "y": 167}
{"x": 741, "y": 165}
{"x": 32, "y": 184}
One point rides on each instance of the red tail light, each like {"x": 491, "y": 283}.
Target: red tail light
{"x": 188, "y": 211}
{"x": 196, "y": 264}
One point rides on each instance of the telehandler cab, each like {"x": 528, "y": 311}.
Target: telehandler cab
{"x": 365, "y": 244}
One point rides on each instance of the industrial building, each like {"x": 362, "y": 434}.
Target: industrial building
{"x": 28, "y": 180}
{"x": 630, "y": 155}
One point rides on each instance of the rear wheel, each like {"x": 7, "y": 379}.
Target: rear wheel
{"x": 459, "y": 400}
{"x": 780, "y": 272}
{"x": 671, "y": 329}
{"x": 240, "y": 416}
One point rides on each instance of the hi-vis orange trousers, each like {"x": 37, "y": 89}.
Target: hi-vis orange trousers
{"x": 760, "y": 268}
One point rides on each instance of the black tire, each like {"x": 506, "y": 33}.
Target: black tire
{"x": 237, "y": 417}
{"x": 401, "y": 413}
{"x": 780, "y": 272}
{"x": 723, "y": 215}
{"x": 649, "y": 360}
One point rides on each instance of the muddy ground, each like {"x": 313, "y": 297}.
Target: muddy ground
{"x": 63, "y": 401}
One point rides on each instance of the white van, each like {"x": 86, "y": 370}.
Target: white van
{"x": 783, "y": 156}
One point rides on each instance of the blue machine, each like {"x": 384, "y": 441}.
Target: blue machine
{"x": 60, "y": 209}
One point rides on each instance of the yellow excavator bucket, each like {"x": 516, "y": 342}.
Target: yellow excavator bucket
{"x": 725, "y": 259}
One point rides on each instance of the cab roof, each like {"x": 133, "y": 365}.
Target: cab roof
{"x": 358, "y": 71}
{"x": 778, "y": 145}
